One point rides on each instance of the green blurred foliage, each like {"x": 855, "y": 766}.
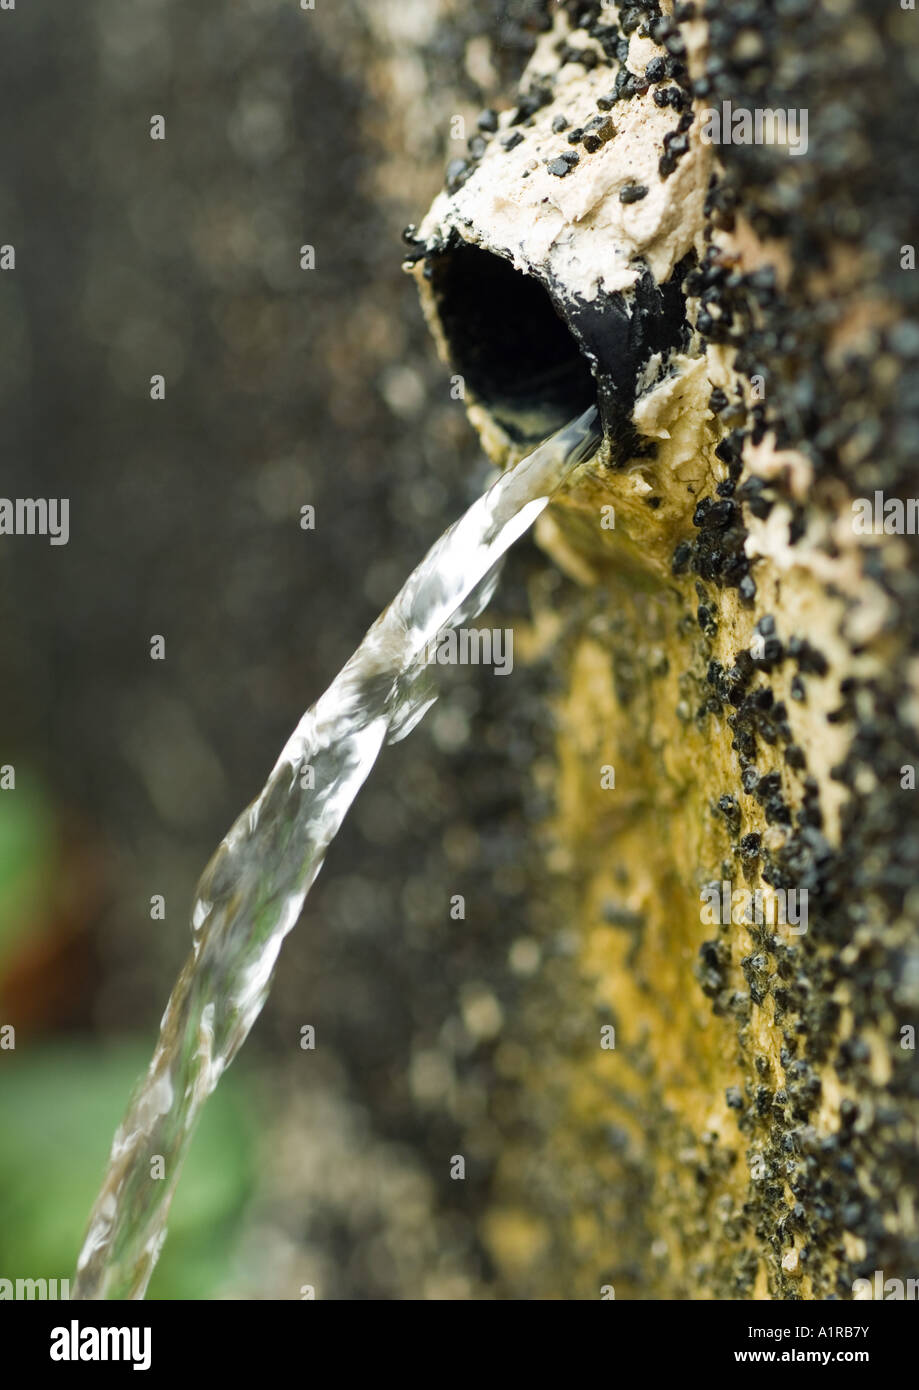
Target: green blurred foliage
{"x": 62, "y": 1105}
{"x": 27, "y": 851}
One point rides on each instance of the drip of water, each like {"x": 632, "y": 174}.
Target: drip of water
{"x": 252, "y": 892}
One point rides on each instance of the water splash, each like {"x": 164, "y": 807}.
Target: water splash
{"x": 253, "y": 890}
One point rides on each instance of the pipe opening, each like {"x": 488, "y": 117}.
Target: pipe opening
{"x": 506, "y": 339}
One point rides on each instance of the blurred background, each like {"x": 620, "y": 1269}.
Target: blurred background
{"x": 181, "y": 257}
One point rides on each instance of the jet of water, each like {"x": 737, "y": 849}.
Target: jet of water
{"x": 252, "y": 892}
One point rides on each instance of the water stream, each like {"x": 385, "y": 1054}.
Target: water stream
{"x": 252, "y": 892}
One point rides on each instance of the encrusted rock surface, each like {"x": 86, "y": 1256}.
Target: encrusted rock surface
{"x": 741, "y": 657}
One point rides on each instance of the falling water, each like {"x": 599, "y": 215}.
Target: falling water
{"x": 252, "y": 892}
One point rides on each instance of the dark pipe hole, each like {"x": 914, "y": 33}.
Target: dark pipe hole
{"x": 507, "y": 341}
